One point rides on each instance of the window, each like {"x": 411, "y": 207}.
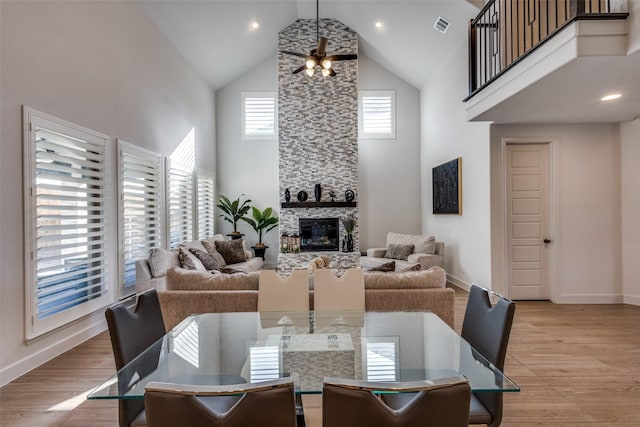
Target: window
{"x": 140, "y": 177}
{"x": 206, "y": 204}
{"x": 66, "y": 175}
{"x": 180, "y": 203}
{"x": 377, "y": 114}
{"x": 259, "y": 115}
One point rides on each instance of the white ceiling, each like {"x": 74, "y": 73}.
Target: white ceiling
{"x": 216, "y": 39}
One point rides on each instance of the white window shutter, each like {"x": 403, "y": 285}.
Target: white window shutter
{"x": 259, "y": 115}
{"x": 378, "y": 114}
{"x": 181, "y": 210}
{"x": 206, "y": 204}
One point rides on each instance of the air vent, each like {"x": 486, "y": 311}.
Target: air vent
{"x": 441, "y": 24}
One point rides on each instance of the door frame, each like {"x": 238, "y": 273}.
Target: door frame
{"x": 552, "y": 252}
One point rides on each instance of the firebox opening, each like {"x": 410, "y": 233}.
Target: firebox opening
{"x": 319, "y": 234}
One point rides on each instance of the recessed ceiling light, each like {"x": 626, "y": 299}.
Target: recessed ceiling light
{"x": 255, "y": 25}
{"x": 611, "y": 97}
{"x": 379, "y": 25}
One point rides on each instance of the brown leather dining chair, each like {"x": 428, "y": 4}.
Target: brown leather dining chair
{"x": 444, "y": 402}
{"x": 268, "y": 404}
{"x": 131, "y": 333}
{"x": 487, "y": 328}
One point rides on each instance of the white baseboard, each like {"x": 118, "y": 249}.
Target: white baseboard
{"x": 458, "y": 282}
{"x": 632, "y": 299}
{"x": 21, "y": 367}
{"x": 589, "y": 299}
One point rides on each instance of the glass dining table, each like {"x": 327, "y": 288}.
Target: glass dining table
{"x": 376, "y": 346}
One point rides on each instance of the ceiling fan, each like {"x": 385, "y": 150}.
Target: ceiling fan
{"x": 318, "y": 56}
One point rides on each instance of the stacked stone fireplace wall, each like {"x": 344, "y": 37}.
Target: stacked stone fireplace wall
{"x": 317, "y": 125}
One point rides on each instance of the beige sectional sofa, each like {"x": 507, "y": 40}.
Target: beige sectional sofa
{"x": 426, "y": 252}
{"x": 151, "y": 271}
{"x": 189, "y": 292}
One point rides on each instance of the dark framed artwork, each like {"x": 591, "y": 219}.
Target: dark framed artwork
{"x": 447, "y": 187}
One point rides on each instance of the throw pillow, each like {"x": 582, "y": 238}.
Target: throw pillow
{"x": 209, "y": 261}
{"x": 399, "y": 251}
{"x": 386, "y": 267}
{"x": 210, "y": 246}
{"x": 412, "y": 267}
{"x": 189, "y": 260}
{"x": 160, "y": 260}
{"x": 228, "y": 270}
{"x": 232, "y": 251}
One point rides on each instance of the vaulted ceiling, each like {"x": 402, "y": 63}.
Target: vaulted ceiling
{"x": 217, "y": 38}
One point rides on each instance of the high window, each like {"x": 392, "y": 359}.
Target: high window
{"x": 259, "y": 115}
{"x": 141, "y": 209}
{"x": 377, "y": 114}
{"x": 66, "y": 174}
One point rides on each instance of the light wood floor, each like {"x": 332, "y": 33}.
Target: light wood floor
{"x": 577, "y": 365}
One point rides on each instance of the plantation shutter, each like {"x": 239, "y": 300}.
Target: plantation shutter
{"x": 378, "y": 114}
{"x": 258, "y": 115}
{"x": 180, "y": 204}
{"x": 66, "y": 226}
{"x": 206, "y": 204}
{"x": 141, "y": 197}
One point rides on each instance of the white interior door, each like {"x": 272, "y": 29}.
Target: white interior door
{"x": 528, "y": 240}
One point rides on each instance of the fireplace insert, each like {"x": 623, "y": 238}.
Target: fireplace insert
{"x": 319, "y": 234}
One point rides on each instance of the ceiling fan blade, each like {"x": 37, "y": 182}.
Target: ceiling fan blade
{"x": 299, "y": 69}
{"x": 322, "y": 46}
{"x": 288, "y": 52}
{"x": 346, "y": 57}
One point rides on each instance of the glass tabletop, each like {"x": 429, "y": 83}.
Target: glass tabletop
{"x": 236, "y": 348}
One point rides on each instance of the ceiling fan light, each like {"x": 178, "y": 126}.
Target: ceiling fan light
{"x": 310, "y": 64}
{"x": 309, "y": 71}
{"x": 326, "y": 64}
{"x": 326, "y": 72}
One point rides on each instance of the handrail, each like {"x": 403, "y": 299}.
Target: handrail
{"x": 505, "y": 32}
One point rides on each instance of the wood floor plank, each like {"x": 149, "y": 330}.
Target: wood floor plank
{"x": 577, "y": 365}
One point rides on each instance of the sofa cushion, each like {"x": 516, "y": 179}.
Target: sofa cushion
{"x": 160, "y": 260}
{"x": 399, "y": 251}
{"x": 191, "y": 280}
{"x": 210, "y": 261}
{"x": 189, "y": 260}
{"x": 434, "y": 277}
{"x": 231, "y": 250}
{"x": 421, "y": 244}
{"x": 387, "y": 266}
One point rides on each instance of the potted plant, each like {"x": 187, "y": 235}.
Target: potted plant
{"x": 262, "y": 222}
{"x": 233, "y": 211}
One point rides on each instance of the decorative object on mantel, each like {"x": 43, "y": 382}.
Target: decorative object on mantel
{"x": 317, "y": 192}
{"x": 306, "y": 205}
{"x": 349, "y": 224}
{"x": 332, "y": 194}
{"x": 318, "y": 56}
{"x": 262, "y": 222}
{"x": 302, "y": 196}
{"x": 349, "y": 195}
{"x": 233, "y": 211}
{"x": 447, "y": 187}
{"x": 287, "y": 195}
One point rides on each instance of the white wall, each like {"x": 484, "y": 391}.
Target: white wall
{"x": 389, "y": 169}
{"x": 630, "y": 177}
{"x": 446, "y": 135}
{"x": 247, "y": 167}
{"x": 587, "y": 186}
{"x": 102, "y": 65}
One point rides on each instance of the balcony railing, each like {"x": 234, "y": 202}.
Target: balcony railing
{"x": 506, "y": 31}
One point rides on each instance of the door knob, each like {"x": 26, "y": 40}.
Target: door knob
{"x": 546, "y": 241}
